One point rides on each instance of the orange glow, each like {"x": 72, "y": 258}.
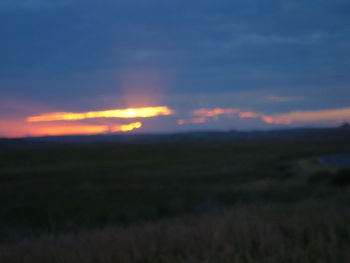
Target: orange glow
{"x": 145, "y": 112}
{"x": 338, "y": 115}
{"x": 271, "y": 120}
{"x": 18, "y": 129}
{"x": 267, "y": 119}
{"x": 213, "y": 115}
{"x": 83, "y": 129}
{"x": 263, "y": 117}
{"x": 342, "y": 114}
{"x": 69, "y": 130}
{"x": 141, "y": 87}
{"x": 214, "y": 112}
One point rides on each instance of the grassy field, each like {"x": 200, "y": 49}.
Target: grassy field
{"x": 253, "y": 201}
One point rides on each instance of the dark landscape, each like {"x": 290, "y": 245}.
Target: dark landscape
{"x": 193, "y": 197}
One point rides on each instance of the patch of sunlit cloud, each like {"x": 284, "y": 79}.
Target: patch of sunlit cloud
{"x": 15, "y": 123}
{"x": 271, "y": 120}
{"x": 205, "y": 115}
{"x": 126, "y": 127}
{"x": 146, "y": 112}
{"x": 329, "y": 115}
{"x": 265, "y": 118}
{"x": 342, "y": 114}
{"x": 215, "y": 112}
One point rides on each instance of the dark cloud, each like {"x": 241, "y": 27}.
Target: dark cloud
{"x": 59, "y": 49}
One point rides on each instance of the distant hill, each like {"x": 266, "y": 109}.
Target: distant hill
{"x": 341, "y": 132}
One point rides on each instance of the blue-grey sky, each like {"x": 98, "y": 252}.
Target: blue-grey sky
{"x": 268, "y": 57}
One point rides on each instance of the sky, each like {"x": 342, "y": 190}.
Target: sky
{"x": 211, "y": 65}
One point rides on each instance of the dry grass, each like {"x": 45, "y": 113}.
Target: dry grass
{"x": 244, "y": 234}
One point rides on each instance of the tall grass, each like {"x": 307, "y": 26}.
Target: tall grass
{"x": 243, "y": 234}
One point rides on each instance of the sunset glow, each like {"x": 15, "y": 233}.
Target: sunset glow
{"x": 84, "y": 129}
{"x": 173, "y": 76}
{"x": 342, "y": 114}
{"x": 145, "y": 112}
{"x": 208, "y": 115}
{"x": 18, "y": 129}
{"x": 214, "y": 112}
{"x": 249, "y": 115}
{"x": 70, "y": 130}
{"x": 64, "y": 123}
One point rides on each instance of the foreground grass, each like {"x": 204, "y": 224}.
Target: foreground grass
{"x": 307, "y": 233}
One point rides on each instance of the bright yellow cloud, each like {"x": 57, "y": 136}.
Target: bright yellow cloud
{"x": 129, "y": 113}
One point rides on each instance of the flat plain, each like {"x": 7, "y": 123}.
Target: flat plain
{"x": 234, "y": 201}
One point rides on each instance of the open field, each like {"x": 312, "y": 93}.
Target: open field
{"x": 252, "y": 201}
